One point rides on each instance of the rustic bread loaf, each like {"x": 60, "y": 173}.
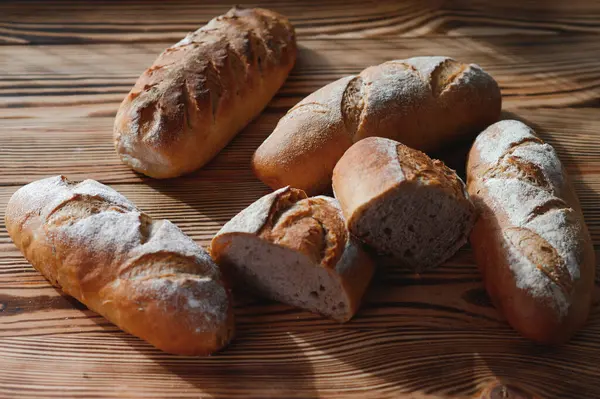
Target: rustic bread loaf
{"x": 402, "y": 203}
{"x": 295, "y": 250}
{"x": 530, "y": 241}
{"x": 423, "y": 102}
{"x": 202, "y": 91}
{"x": 144, "y": 275}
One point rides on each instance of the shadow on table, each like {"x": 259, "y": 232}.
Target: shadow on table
{"x": 461, "y": 360}
{"x": 251, "y": 366}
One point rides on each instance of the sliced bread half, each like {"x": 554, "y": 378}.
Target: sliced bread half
{"x": 296, "y": 250}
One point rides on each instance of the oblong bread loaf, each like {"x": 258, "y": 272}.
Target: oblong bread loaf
{"x": 530, "y": 241}
{"x": 422, "y": 102}
{"x": 146, "y": 276}
{"x": 202, "y": 91}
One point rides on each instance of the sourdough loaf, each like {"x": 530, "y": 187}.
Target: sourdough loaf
{"x": 144, "y": 275}
{"x": 423, "y": 102}
{"x": 530, "y": 242}
{"x": 295, "y": 250}
{"x": 202, "y": 91}
{"x": 402, "y": 203}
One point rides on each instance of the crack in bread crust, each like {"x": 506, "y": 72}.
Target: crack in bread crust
{"x": 88, "y": 204}
{"x": 511, "y": 166}
{"x": 417, "y": 166}
{"x": 444, "y": 74}
{"x": 313, "y": 105}
{"x": 353, "y": 105}
{"x": 542, "y": 255}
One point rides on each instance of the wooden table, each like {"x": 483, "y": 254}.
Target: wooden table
{"x": 66, "y": 65}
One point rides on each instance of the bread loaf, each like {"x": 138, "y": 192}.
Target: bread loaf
{"x": 296, "y": 250}
{"x": 202, "y": 91}
{"x": 530, "y": 242}
{"x": 402, "y": 203}
{"x": 144, "y": 275}
{"x": 423, "y": 102}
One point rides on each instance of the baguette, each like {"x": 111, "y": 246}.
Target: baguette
{"x": 530, "y": 242}
{"x": 295, "y": 250}
{"x": 423, "y": 102}
{"x": 202, "y": 91}
{"x": 406, "y": 206}
{"x": 146, "y": 276}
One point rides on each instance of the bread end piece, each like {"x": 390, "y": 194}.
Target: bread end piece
{"x": 307, "y": 142}
{"x": 295, "y": 250}
{"x": 402, "y": 203}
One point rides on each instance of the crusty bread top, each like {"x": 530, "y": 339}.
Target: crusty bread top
{"x": 252, "y": 219}
{"x": 375, "y": 165}
{"x": 518, "y": 179}
{"x": 313, "y": 226}
{"x": 512, "y": 150}
{"x": 383, "y": 94}
{"x": 87, "y": 210}
{"x": 419, "y": 168}
{"x": 382, "y": 101}
{"x": 175, "y": 103}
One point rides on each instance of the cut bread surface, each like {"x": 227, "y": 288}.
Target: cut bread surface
{"x": 284, "y": 275}
{"x": 296, "y": 250}
{"x": 420, "y": 226}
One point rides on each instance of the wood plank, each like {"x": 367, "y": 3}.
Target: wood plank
{"x": 66, "y": 22}
{"x": 309, "y": 364}
{"x": 93, "y": 79}
{"x": 82, "y": 148}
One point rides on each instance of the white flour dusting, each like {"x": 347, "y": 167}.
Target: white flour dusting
{"x": 527, "y": 205}
{"x": 544, "y": 157}
{"x": 497, "y": 139}
{"x": 103, "y": 230}
{"x": 531, "y": 279}
{"x": 517, "y": 198}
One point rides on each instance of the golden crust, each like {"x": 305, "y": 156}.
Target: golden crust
{"x": 313, "y": 227}
{"x": 203, "y": 90}
{"x": 145, "y": 276}
{"x": 530, "y": 241}
{"x": 422, "y": 102}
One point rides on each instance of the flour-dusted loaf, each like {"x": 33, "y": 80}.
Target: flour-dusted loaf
{"x": 402, "y": 203}
{"x": 202, "y": 91}
{"x": 295, "y": 250}
{"x": 423, "y": 102}
{"x": 144, "y": 275}
{"x": 530, "y": 241}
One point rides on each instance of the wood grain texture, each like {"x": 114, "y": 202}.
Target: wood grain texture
{"x": 64, "y": 68}
{"x": 119, "y": 21}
